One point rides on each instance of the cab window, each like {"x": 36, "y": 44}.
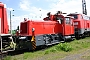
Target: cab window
{"x": 67, "y": 20}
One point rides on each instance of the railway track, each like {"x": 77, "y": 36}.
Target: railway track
{"x": 3, "y": 55}
{"x": 16, "y": 52}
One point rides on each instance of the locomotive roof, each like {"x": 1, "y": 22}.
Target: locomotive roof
{"x": 76, "y": 14}
{"x": 67, "y": 16}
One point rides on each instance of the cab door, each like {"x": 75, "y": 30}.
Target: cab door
{"x": 68, "y": 26}
{"x": 72, "y": 26}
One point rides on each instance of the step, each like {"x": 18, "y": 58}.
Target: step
{"x": 62, "y": 41}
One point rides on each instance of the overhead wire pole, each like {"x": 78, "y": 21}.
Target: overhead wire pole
{"x": 84, "y": 7}
{"x": 11, "y": 27}
{"x": 11, "y": 22}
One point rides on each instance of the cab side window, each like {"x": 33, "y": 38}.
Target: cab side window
{"x": 67, "y": 20}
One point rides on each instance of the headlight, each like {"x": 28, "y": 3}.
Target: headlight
{"x": 33, "y": 29}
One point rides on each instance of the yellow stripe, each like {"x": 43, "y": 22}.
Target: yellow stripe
{"x": 33, "y": 42}
{"x": 34, "y": 45}
{"x": 33, "y": 39}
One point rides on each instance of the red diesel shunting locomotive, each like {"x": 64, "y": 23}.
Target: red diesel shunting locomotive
{"x": 54, "y": 29}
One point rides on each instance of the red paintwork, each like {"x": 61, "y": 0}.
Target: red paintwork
{"x": 51, "y": 26}
{"x": 44, "y": 27}
{"x": 68, "y": 30}
{"x": 3, "y": 15}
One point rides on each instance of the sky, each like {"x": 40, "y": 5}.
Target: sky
{"x": 34, "y": 9}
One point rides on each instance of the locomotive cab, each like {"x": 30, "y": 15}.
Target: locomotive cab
{"x": 68, "y": 28}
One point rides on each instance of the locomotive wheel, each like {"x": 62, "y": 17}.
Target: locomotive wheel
{"x": 72, "y": 39}
{"x": 77, "y": 37}
{"x": 89, "y": 33}
{"x": 83, "y": 36}
{"x": 63, "y": 40}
